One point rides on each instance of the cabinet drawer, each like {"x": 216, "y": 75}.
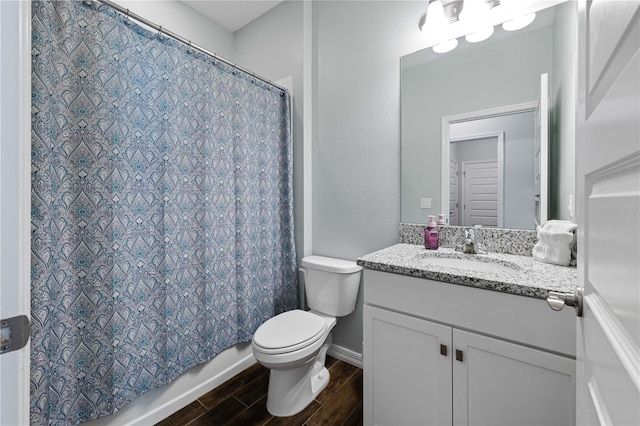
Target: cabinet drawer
{"x": 516, "y": 318}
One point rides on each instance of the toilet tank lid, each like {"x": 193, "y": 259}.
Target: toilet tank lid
{"x": 330, "y": 264}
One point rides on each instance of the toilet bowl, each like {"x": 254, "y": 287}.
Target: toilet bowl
{"x": 294, "y": 344}
{"x": 298, "y": 373}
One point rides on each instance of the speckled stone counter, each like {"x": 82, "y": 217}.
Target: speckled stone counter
{"x": 495, "y": 240}
{"x": 520, "y": 275}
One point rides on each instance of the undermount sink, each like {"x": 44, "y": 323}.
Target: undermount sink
{"x": 477, "y": 263}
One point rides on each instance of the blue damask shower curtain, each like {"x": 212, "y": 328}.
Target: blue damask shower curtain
{"x": 161, "y": 210}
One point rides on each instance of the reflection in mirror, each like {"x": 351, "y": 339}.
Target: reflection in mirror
{"x": 499, "y": 73}
{"x": 491, "y": 183}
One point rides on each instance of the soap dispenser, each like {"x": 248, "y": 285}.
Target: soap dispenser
{"x": 431, "y": 235}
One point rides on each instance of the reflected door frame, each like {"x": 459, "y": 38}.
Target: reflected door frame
{"x": 448, "y": 120}
{"x": 499, "y": 136}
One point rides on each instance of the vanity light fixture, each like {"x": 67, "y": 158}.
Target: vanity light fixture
{"x": 520, "y": 18}
{"x": 445, "y": 46}
{"x": 475, "y": 13}
{"x": 479, "y": 35}
{"x": 519, "y": 22}
{"x": 439, "y": 14}
{"x": 447, "y": 19}
{"x": 474, "y": 10}
{"x": 435, "y": 20}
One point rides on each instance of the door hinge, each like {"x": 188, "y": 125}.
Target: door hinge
{"x": 14, "y": 333}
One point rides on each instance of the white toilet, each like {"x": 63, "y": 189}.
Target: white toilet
{"x": 294, "y": 344}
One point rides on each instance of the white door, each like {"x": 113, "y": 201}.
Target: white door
{"x": 15, "y": 195}
{"x": 608, "y": 180}
{"x": 407, "y": 370}
{"x": 480, "y": 193}
{"x": 453, "y": 192}
{"x": 541, "y": 153}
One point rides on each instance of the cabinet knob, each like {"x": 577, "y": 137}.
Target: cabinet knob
{"x": 443, "y": 350}
{"x": 459, "y": 356}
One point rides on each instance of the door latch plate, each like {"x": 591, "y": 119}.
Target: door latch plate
{"x": 14, "y": 333}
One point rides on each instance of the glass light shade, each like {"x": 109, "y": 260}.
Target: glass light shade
{"x": 435, "y": 19}
{"x": 519, "y": 22}
{"x": 474, "y": 10}
{"x": 445, "y": 46}
{"x": 479, "y": 35}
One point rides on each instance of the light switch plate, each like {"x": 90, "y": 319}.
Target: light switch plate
{"x": 425, "y": 203}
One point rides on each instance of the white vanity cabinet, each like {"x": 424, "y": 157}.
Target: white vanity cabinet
{"x": 442, "y": 354}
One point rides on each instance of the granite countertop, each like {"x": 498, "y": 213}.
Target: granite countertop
{"x": 520, "y": 275}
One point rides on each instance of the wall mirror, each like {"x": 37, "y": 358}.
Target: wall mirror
{"x": 469, "y": 120}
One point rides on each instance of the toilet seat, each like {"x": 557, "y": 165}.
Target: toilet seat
{"x": 289, "y": 332}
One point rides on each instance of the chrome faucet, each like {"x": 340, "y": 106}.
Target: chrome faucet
{"x": 470, "y": 246}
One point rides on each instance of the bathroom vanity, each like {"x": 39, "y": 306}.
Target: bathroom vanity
{"x": 466, "y": 339}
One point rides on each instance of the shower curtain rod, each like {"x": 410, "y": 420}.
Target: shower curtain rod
{"x": 173, "y": 35}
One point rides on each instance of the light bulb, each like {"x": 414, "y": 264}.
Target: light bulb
{"x": 519, "y": 22}
{"x": 474, "y": 10}
{"x": 435, "y": 20}
{"x": 479, "y": 35}
{"x": 445, "y": 46}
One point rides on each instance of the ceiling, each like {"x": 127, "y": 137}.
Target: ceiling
{"x": 232, "y": 14}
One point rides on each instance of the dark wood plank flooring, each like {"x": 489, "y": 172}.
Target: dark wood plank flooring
{"x": 242, "y": 400}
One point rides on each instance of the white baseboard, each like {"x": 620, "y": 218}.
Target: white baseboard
{"x": 346, "y": 355}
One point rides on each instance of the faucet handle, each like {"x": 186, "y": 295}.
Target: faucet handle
{"x": 469, "y": 234}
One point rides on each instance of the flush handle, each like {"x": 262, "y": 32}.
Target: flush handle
{"x": 557, "y": 300}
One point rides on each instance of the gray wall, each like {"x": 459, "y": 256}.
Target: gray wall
{"x": 563, "y": 117}
{"x": 519, "y": 141}
{"x": 179, "y": 18}
{"x": 272, "y": 46}
{"x": 356, "y": 131}
{"x": 474, "y": 150}
{"x": 488, "y": 76}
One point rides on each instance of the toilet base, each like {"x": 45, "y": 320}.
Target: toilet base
{"x": 289, "y": 393}
{"x": 291, "y": 390}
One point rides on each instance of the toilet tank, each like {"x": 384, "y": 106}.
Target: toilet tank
{"x": 331, "y": 285}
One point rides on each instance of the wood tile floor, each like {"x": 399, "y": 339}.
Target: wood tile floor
{"x": 242, "y": 400}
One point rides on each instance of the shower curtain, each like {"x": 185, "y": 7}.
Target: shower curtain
{"x": 162, "y": 228}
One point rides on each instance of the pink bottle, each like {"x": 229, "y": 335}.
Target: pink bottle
{"x": 431, "y": 236}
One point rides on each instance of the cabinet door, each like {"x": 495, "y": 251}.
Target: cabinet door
{"x": 407, "y": 373}
{"x": 501, "y": 383}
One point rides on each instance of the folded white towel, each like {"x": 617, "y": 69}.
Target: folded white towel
{"x": 553, "y": 238}
{"x": 551, "y": 254}
{"x": 559, "y": 226}
{"x": 556, "y": 238}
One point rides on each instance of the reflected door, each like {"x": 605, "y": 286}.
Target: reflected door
{"x": 480, "y": 193}
{"x": 541, "y": 153}
{"x": 453, "y": 192}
